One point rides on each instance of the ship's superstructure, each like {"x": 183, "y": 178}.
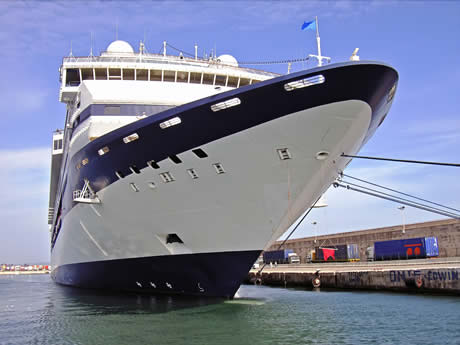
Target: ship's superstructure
{"x": 173, "y": 173}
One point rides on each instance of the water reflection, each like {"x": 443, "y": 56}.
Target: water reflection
{"x": 90, "y": 302}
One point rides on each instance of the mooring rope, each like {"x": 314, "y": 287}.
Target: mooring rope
{"x": 457, "y": 165}
{"x": 397, "y": 199}
{"x": 396, "y": 191}
{"x": 293, "y": 230}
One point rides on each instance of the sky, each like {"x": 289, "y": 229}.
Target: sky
{"x": 419, "y": 39}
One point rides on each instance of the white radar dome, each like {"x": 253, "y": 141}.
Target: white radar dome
{"x": 120, "y": 46}
{"x": 227, "y": 59}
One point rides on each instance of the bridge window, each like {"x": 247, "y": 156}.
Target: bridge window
{"x": 182, "y": 77}
{"x": 221, "y": 79}
{"x": 101, "y": 73}
{"x": 208, "y": 79}
{"x": 128, "y": 74}
{"x": 195, "y": 78}
{"x": 232, "y": 81}
{"x": 114, "y": 73}
{"x": 72, "y": 77}
{"x": 87, "y": 74}
{"x": 169, "y": 76}
{"x": 244, "y": 81}
{"x": 142, "y": 74}
{"x": 155, "y": 75}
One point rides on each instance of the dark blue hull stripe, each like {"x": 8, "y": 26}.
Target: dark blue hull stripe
{"x": 260, "y": 103}
{"x": 206, "y": 274}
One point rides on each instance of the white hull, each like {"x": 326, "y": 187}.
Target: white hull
{"x": 247, "y": 208}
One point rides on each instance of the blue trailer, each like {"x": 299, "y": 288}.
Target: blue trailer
{"x": 412, "y": 248}
{"x": 277, "y": 256}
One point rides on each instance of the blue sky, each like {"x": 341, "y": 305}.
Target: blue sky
{"x": 419, "y": 39}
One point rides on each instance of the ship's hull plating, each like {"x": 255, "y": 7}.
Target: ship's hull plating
{"x": 206, "y": 274}
{"x": 224, "y": 220}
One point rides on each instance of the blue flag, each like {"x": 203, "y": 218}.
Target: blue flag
{"x": 309, "y": 25}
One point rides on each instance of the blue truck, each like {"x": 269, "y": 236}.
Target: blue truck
{"x": 412, "y": 248}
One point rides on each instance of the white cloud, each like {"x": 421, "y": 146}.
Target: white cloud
{"x": 43, "y": 27}
{"x": 24, "y": 181}
{"x": 17, "y": 99}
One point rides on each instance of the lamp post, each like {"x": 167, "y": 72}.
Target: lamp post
{"x": 314, "y": 227}
{"x": 402, "y": 208}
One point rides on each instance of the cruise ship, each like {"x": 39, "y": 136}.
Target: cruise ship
{"x": 173, "y": 173}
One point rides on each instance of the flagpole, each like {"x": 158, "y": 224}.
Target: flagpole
{"x": 320, "y": 63}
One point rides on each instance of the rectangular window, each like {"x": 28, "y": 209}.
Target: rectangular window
{"x": 244, "y": 81}
{"x": 130, "y": 138}
{"x": 310, "y": 81}
{"x": 232, "y": 81}
{"x": 221, "y": 79}
{"x": 219, "y": 168}
{"x": 103, "y": 151}
{"x": 169, "y": 76}
{"x": 193, "y": 174}
{"x": 153, "y": 165}
{"x": 167, "y": 177}
{"x": 128, "y": 74}
{"x": 208, "y": 79}
{"x": 101, "y": 73}
{"x": 182, "y": 77}
{"x": 227, "y": 104}
{"x": 195, "y": 78}
{"x": 87, "y": 74}
{"x": 142, "y": 74}
{"x": 200, "y": 153}
{"x": 114, "y": 73}
{"x": 171, "y": 122}
{"x": 72, "y": 77}
{"x": 155, "y": 75}
{"x": 175, "y": 159}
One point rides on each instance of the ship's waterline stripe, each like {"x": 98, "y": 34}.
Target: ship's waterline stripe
{"x": 92, "y": 239}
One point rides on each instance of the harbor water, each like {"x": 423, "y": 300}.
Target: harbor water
{"x": 34, "y": 310}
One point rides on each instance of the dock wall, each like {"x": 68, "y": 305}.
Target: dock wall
{"x": 438, "y": 280}
{"x": 447, "y": 231}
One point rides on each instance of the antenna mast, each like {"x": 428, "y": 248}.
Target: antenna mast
{"x": 91, "y": 49}
{"x": 318, "y": 44}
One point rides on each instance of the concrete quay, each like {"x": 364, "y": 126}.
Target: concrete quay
{"x": 425, "y": 275}
{"x": 11, "y": 273}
